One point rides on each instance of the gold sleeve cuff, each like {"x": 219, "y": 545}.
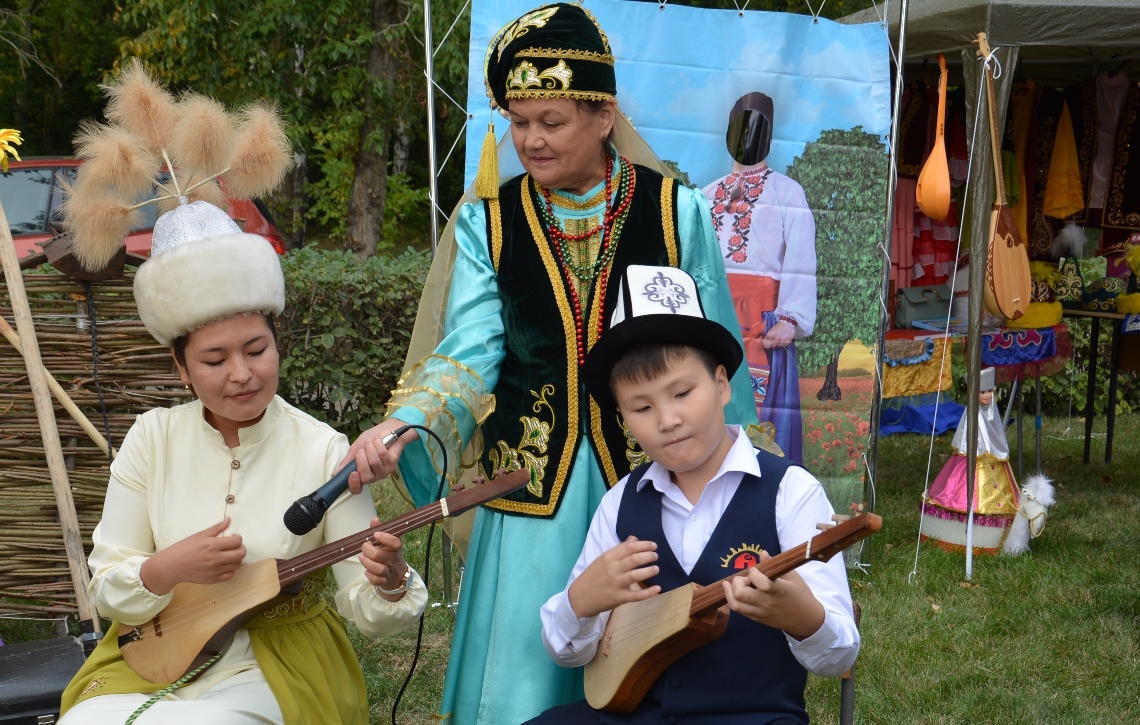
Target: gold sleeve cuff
{"x": 433, "y": 386}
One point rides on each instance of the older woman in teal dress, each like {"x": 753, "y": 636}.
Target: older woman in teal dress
{"x": 529, "y": 295}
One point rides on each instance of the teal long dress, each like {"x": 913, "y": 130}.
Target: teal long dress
{"x": 499, "y": 672}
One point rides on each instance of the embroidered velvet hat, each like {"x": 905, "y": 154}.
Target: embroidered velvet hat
{"x": 656, "y": 305}
{"x": 554, "y": 51}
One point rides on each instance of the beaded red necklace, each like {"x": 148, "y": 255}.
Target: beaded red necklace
{"x": 610, "y": 229}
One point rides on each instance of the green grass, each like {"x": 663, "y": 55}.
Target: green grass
{"x": 1050, "y": 637}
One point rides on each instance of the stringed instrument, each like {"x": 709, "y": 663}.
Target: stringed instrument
{"x": 933, "y": 189}
{"x": 643, "y": 638}
{"x": 1009, "y": 287}
{"x": 201, "y": 618}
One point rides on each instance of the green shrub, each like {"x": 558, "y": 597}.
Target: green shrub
{"x": 345, "y": 332}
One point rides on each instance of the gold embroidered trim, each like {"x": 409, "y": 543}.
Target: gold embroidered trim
{"x": 594, "y": 20}
{"x": 536, "y": 436}
{"x": 566, "y": 54}
{"x": 301, "y": 604}
{"x": 496, "y": 232}
{"x": 667, "y": 221}
{"x": 633, "y": 452}
{"x": 574, "y": 95}
{"x": 559, "y": 289}
{"x": 526, "y": 75}
{"x": 562, "y": 202}
{"x": 596, "y": 309}
{"x": 95, "y": 684}
{"x": 536, "y": 18}
{"x": 1114, "y": 214}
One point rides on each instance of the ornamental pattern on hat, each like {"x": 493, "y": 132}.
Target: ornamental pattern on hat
{"x": 554, "y": 51}
{"x": 665, "y": 291}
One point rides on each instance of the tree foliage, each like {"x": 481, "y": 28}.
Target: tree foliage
{"x": 844, "y": 175}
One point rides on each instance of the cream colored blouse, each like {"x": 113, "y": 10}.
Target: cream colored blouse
{"x": 175, "y": 476}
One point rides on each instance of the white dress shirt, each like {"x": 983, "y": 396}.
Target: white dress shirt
{"x": 800, "y": 504}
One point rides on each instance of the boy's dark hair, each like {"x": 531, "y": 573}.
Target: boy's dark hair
{"x": 178, "y": 344}
{"x": 650, "y": 360}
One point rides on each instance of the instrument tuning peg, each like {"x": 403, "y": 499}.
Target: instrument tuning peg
{"x": 457, "y": 487}
{"x": 825, "y": 527}
{"x": 478, "y": 480}
{"x": 499, "y": 472}
{"x": 840, "y": 518}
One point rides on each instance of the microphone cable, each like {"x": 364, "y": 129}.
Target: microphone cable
{"x": 427, "y": 560}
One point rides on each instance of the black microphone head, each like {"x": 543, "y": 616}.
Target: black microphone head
{"x": 304, "y": 515}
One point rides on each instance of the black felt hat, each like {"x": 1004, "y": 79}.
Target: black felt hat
{"x": 656, "y": 305}
{"x": 554, "y": 51}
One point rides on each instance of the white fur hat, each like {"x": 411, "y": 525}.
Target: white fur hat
{"x": 196, "y": 280}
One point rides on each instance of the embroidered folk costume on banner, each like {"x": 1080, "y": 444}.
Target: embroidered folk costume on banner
{"x": 526, "y": 294}
{"x": 767, "y": 238}
{"x": 175, "y": 476}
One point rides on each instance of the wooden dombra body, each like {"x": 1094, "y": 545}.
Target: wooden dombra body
{"x": 201, "y": 618}
{"x": 642, "y": 639}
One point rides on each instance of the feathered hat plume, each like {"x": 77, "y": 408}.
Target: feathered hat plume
{"x": 194, "y": 136}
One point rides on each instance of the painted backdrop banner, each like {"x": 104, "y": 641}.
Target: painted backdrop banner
{"x": 782, "y": 121}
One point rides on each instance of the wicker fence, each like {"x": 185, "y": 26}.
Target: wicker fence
{"x": 135, "y": 374}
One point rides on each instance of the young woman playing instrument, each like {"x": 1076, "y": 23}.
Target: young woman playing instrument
{"x": 200, "y": 489}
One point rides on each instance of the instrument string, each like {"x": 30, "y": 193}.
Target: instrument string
{"x": 308, "y": 563}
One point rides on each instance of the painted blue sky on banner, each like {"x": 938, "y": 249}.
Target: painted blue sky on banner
{"x": 680, "y": 69}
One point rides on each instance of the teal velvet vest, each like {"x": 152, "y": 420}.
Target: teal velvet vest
{"x": 542, "y": 409}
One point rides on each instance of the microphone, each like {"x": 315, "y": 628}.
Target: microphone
{"x": 307, "y": 511}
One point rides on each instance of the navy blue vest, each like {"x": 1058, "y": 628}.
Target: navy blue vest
{"x": 749, "y": 675}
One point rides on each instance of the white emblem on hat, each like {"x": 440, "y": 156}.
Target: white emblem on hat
{"x": 656, "y": 291}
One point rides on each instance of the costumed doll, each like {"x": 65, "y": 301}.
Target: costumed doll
{"x": 767, "y": 237}
{"x": 525, "y": 286}
{"x": 997, "y": 499}
{"x": 201, "y": 488}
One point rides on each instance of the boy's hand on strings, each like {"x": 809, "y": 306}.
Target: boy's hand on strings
{"x": 373, "y": 460}
{"x": 383, "y": 561}
{"x": 785, "y": 603}
{"x": 206, "y": 557}
{"x": 611, "y": 578}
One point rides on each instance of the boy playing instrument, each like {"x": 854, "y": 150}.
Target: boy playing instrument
{"x": 709, "y": 503}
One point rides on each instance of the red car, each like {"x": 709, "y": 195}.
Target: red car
{"x": 32, "y": 196}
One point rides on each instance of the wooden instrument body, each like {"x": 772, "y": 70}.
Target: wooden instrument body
{"x": 932, "y": 192}
{"x": 201, "y": 618}
{"x": 208, "y": 615}
{"x": 647, "y": 649}
{"x": 1009, "y": 287}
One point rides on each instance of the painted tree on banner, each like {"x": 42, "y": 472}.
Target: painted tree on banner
{"x": 844, "y": 176}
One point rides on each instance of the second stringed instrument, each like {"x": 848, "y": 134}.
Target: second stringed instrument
{"x": 201, "y": 618}
{"x": 1008, "y": 288}
{"x": 643, "y": 638}
{"x": 932, "y": 193}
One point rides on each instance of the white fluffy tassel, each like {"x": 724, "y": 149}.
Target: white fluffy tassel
{"x": 1037, "y": 495}
{"x": 1069, "y": 242}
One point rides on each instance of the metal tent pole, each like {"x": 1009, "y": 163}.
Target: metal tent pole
{"x": 429, "y": 69}
{"x": 892, "y": 179}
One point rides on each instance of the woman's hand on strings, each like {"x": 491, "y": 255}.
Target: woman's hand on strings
{"x": 206, "y": 557}
{"x": 786, "y": 603}
{"x": 615, "y": 578}
{"x": 383, "y": 561}
{"x": 373, "y": 460}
